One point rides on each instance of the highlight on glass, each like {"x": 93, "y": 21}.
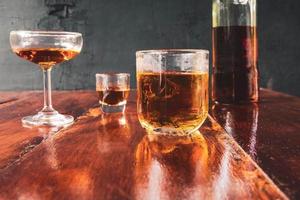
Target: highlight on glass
{"x": 172, "y": 90}
{"x": 46, "y": 49}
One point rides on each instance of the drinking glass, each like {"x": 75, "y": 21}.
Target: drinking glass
{"x": 172, "y": 90}
{"x": 113, "y": 91}
{"x": 46, "y": 48}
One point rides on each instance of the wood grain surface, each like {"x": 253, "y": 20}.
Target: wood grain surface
{"x": 105, "y": 156}
{"x": 16, "y": 140}
{"x": 270, "y": 133}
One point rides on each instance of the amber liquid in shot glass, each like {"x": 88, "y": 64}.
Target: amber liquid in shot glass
{"x": 113, "y": 91}
{"x": 113, "y": 96}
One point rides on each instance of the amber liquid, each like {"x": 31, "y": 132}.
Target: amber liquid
{"x": 172, "y": 101}
{"x": 46, "y": 57}
{"x": 235, "y": 77}
{"x": 113, "y": 96}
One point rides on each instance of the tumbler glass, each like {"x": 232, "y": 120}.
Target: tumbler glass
{"x": 172, "y": 90}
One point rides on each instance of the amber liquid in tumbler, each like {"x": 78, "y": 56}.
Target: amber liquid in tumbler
{"x": 172, "y": 101}
{"x": 46, "y": 57}
{"x": 113, "y": 96}
{"x": 235, "y": 76}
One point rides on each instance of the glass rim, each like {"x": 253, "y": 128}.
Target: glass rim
{"x": 113, "y": 74}
{"x": 174, "y": 51}
{"x": 45, "y": 33}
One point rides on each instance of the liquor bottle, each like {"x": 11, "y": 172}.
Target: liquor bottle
{"x": 235, "y": 75}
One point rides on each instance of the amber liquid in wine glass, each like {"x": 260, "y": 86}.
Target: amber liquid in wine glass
{"x": 46, "y": 58}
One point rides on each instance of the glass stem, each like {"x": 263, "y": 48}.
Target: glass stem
{"x": 47, "y": 91}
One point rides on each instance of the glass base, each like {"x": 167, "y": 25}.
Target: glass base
{"x": 112, "y": 108}
{"x": 185, "y": 129}
{"x": 170, "y": 131}
{"x": 47, "y": 119}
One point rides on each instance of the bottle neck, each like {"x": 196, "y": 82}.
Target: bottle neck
{"x": 234, "y": 13}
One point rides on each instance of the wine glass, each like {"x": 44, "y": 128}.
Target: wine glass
{"x": 46, "y": 48}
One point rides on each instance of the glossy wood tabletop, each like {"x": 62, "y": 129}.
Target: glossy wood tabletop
{"x": 105, "y": 156}
{"x": 270, "y": 133}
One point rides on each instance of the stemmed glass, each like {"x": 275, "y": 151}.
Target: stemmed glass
{"x": 46, "y": 48}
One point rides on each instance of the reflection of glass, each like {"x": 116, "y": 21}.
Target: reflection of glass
{"x": 172, "y": 88}
{"x": 223, "y": 181}
{"x": 113, "y": 91}
{"x": 46, "y": 48}
{"x": 113, "y": 131}
{"x": 166, "y": 165}
{"x": 240, "y": 121}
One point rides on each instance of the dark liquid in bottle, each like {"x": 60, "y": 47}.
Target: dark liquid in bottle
{"x": 235, "y": 77}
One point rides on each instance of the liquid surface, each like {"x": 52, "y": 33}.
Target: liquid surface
{"x": 46, "y": 58}
{"x": 113, "y": 96}
{"x": 235, "y": 71}
{"x": 172, "y": 101}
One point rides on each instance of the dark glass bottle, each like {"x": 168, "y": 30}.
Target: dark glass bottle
{"x": 235, "y": 75}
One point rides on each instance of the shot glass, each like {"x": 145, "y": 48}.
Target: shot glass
{"x": 172, "y": 90}
{"x": 113, "y": 91}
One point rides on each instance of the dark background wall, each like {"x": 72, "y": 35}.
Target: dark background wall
{"x": 113, "y": 30}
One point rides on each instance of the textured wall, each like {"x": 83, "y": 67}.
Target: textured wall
{"x": 113, "y": 30}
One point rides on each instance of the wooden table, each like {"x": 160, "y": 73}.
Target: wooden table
{"x": 111, "y": 157}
